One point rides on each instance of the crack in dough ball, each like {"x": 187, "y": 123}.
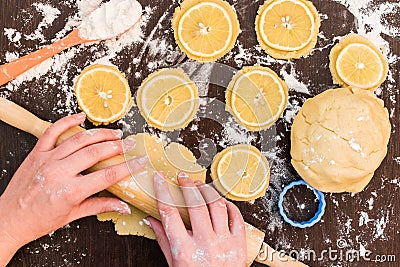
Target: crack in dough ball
{"x": 339, "y": 139}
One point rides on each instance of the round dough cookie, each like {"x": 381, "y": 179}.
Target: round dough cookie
{"x": 339, "y": 138}
{"x": 205, "y": 30}
{"x": 360, "y": 62}
{"x": 168, "y": 99}
{"x": 287, "y": 29}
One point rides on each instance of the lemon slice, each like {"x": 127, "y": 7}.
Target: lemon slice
{"x": 359, "y": 66}
{"x": 168, "y": 99}
{"x": 205, "y": 30}
{"x": 103, "y": 93}
{"x": 256, "y": 97}
{"x": 287, "y": 28}
{"x": 355, "y": 61}
{"x": 241, "y": 172}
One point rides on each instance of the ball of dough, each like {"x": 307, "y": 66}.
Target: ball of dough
{"x": 339, "y": 138}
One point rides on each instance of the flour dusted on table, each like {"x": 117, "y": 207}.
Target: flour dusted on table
{"x": 58, "y": 71}
{"x": 158, "y": 50}
{"x": 373, "y": 20}
{"x": 49, "y": 13}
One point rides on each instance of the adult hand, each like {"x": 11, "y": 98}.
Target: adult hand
{"x": 48, "y": 190}
{"x": 218, "y": 236}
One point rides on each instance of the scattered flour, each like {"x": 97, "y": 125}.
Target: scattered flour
{"x": 292, "y": 82}
{"x": 371, "y": 20}
{"x": 13, "y": 35}
{"x": 50, "y": 14}
{"x": 85, "y": 7}
{"x": 395, "y": 181}
{"x": 370, "y": 203}
{"x": 233, "y": 134}
{"x": 364, "y": 219}
{"x": 293, "y": 107}
{"x": 200, "y": 74}
{"x": 56, "y": 70}
{"x": 158, "y": 51}
{"x": 10, "y": 56}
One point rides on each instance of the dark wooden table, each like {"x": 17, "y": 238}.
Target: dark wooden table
{"x": 87, "y": 242}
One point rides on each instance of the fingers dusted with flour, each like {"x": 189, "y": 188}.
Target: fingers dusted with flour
{"x": 170, "y": 216}
{"x": 102, "y": 179}
{"x": 236, "y": 222}
{"x": 97, "y": 205}
{"x": 51, "y": 135}
{"x": 216, "y": 206}
{"x": 217, "y": 237}
{"x": 197, "y": 208}
{"x": 171, "y": 232}
{"x": 49, "y": 189}
{"x": 162, "y": 238}
{"x": 86, "y": 138}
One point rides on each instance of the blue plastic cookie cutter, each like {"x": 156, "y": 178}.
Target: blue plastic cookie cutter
{"x": 318, "y": 215}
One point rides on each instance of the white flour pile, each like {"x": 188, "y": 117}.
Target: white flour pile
{"x": 110, "y": 19}
{"x": 158, "y": 50}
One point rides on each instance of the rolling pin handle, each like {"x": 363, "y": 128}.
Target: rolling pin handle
{"x": 22, "y": 119}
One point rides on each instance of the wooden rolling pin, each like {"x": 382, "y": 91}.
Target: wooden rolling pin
{"x": 22, "y": 119}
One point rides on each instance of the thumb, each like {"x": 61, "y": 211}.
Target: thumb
{"x": 161, "y": 238}
{"x": 97, "y": 205}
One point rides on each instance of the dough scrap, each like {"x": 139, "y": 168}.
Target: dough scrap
{"x": 132, "y": 224}
{"x": 339, "y": 139}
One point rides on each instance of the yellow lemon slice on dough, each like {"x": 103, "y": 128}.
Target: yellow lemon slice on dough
{"x": 287, "y": 28}
{"x": 103, "y": 93}
{"x": 356, "y": 62}
{"x": 205, "y": 30}
{"x": 168, "y": 99}
{"x": 241, "y": 172}
{"x": 256, "y": 97}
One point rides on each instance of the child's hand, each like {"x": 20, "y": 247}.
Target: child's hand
{"x": 218, "y": 236}
{"x": 48, "y": 191}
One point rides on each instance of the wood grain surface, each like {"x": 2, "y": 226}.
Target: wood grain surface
{"x": 87, "y": 242}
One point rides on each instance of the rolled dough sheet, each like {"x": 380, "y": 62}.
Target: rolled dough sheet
{"x": 168, "y": 158}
